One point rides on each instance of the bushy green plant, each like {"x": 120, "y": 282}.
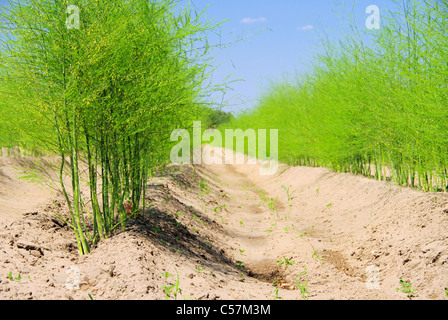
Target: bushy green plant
{"x": 108, "y": 94}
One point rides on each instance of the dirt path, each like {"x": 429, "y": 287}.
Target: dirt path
{"x": 232, "y": 234}
{"x": 355, "y": 237}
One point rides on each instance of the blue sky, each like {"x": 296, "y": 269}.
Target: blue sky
{"x": 283, "y": 36}
{"x": 288, "y": 37}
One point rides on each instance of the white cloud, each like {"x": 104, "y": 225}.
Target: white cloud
{"x": 252, "y": 20}
{"x": 305, "y": 28}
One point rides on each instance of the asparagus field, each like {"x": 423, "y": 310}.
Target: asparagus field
{"x": 121, "y": 178}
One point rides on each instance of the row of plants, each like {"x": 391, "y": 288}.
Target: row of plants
{"x": 374, "y": 103}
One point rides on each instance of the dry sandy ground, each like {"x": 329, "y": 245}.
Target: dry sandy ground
{"x": 230, "y": 233}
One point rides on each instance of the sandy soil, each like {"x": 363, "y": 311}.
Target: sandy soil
{"x": 230, "y": 233}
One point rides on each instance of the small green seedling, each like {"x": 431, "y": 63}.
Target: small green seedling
{"x": 302, "y": 285}
{"x": 285, "y": 261}
{"x": 199, "y": 269}
{"x": 406, "y": 287}
{"x": 172, "y": 289}
{"x": 288, "y": 194}
{"x": 18, "y": 278}
{"x": 273, "y": 225}
{"x": 315, "y": 256}
{"x": 167, "y": 274}
{"x": 271, "y": 206}
{"x": 275, "y": 292}
{"x": 240, "y": 265}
